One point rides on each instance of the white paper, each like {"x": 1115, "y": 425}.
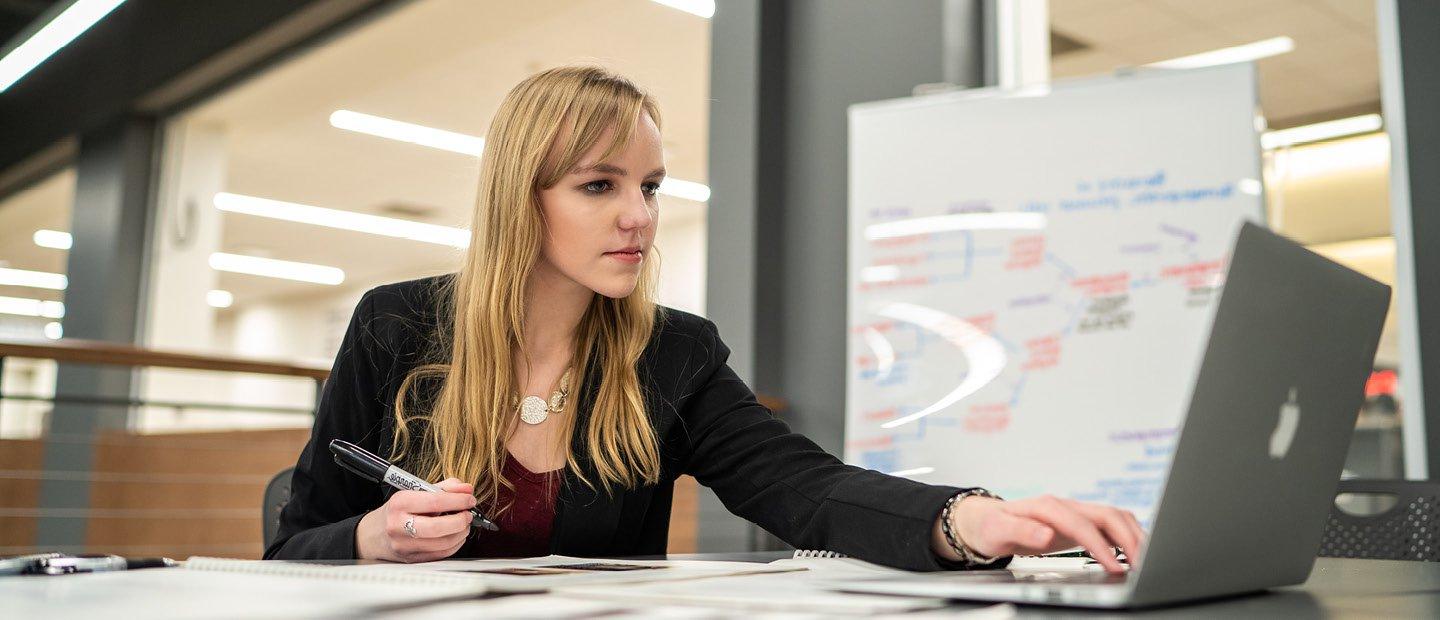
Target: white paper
{"x": 795, "y": 592}
{"x": 663, "y": 570}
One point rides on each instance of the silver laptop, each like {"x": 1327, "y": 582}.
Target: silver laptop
{"x": 1260, "y": 451}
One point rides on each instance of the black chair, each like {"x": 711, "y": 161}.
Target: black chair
{"x": 1408, "y": 528}
{"x": 277, "y": 494}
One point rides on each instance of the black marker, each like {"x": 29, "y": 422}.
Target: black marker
{"x": 361, "y": 462}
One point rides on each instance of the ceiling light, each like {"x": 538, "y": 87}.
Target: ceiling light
{"x": 219, "y": 299}
{"x": 407, "y": 132}
{"x": 1008, "y": 220}
{"x": 703, "y": 8}
{"x": 53, "y": 239}
{"x": 70, "y": 23}
{"x": 33, "y": 279}
{"x": 272, "y": 268}
{"x": 688, "y": 190}
{"x": 1228, "y": 55}
{"x": 344, "y": 220}
{"x": 1366, "y": 154}
{"x": 1321, "y": 131}
{"x": 469, "y": 145}
{"x": 31, "y": 307}
{"x": 54, "y": 330}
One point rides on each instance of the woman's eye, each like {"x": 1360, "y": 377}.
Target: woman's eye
{"x": 596, "y": 187}
{"x": 650, "y": 189}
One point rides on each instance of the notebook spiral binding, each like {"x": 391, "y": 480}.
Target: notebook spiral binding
{"x": 816, "y": 553}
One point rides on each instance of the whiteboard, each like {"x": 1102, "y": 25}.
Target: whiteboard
{"x": 1032, "y": 276}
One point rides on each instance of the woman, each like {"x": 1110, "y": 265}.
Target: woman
{"x": 555, "y": 301}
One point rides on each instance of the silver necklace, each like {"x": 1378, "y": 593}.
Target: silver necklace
{"x": 534, "y": 410}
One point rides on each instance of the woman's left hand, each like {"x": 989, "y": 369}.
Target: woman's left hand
{"x": 1045, "y": 524}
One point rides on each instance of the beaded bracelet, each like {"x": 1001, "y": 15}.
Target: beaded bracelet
{"x": 968, "y": 556}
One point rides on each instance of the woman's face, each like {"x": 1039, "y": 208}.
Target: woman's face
{"x": 600, "y": 218}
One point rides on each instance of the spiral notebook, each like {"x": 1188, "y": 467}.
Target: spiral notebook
{"x": 1047, "y": 562}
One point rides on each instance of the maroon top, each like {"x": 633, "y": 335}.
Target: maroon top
{"x": 525, "y": 527}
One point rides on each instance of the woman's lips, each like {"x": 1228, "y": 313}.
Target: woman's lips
{"x": 626, "y": 257}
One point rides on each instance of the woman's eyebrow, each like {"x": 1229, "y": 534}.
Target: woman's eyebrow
{"x": 609, "y": 169}
{"x": 605, "y": 168}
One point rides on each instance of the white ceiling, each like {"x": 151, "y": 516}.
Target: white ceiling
{"x": 1333, "y": 70}
{"x": 444, "y": 64}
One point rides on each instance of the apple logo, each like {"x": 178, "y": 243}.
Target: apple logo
{"x": 1285, "y": 429}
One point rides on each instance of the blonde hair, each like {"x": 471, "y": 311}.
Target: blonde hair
{"x": 542, "y": 129}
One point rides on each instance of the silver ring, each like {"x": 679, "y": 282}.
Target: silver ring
{"x": 410, "y": 527}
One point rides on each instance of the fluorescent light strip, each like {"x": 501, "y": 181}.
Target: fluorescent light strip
{"x": 219, "y": 299}
{"x": 272, "y": 268}
{"x": 33, "y": 279}
{"x": 466, "y": 144}
{"x": 688, "y": 190}
{"x": 1008, "y": 220}
{"x": 70, "y": 23}
{"x": 1321, "y": 131}
{"x": 1228, "y": 55}
{"x": 53, "y": 239}
{"x": 702, "y": 8}
{"x": 54, "y": 330}
{"x": 344, "y": 220}
{"x": 22, "y": 306}
{"x": 407, "y": 132}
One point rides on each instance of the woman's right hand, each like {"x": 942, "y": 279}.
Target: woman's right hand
{"x": 381, "y": 534}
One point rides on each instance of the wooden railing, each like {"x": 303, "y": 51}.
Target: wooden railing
{"x": 180, "y": 493}
{"x": 167, "y": 493}
{"x": 109, "y": 353}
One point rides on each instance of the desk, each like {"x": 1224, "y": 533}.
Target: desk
{"x": 1337, "y": 588}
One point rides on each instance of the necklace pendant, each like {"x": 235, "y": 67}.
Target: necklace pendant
{"x": 534, "y": 410}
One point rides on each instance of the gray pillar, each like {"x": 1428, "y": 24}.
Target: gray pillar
{"x": 1410, "y": 95}
{"x": 782, "y": 77}
{"x": 104, "y": 301}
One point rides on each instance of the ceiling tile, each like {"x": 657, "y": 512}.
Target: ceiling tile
{"x": 1306, "y": 24}
{"x": 1221, "y": 11}
{"x": 1359, "y": 13}
{"x": 1061, "y": 11}
{"x": 1142, "y": 51}
{"x": 1130, "y": 21}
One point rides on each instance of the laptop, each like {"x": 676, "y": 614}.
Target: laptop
{"x": 1259, "y": 455}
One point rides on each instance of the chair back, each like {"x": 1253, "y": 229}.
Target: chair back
{"x": 1407, "y": 530}
{"x": 277, "y": 494}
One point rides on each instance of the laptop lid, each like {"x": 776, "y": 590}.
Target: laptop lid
{"x": 1273, "y": 409}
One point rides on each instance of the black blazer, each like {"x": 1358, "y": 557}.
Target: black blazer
{"x": 708, "y": 421}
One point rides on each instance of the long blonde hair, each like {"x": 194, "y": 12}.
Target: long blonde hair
{"x": 542, "y": 129}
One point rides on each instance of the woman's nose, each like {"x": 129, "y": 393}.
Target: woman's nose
{"x": 636, "y": 212}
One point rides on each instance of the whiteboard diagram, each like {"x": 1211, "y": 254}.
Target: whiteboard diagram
{"x": 1032, "y": 277}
